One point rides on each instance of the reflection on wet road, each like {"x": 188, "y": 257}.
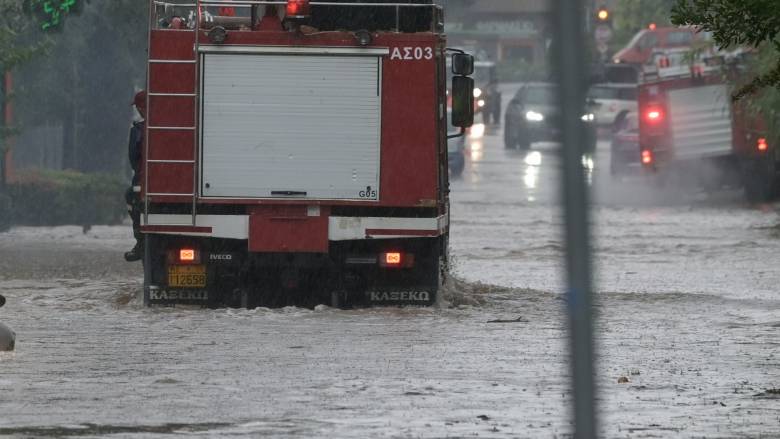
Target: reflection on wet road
{"x": 687, "y": 305}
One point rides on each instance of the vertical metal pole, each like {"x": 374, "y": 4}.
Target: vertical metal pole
{"x": 569, "y": 66}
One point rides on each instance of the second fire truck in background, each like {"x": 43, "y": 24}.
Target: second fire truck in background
{"x": 691, "y": 129}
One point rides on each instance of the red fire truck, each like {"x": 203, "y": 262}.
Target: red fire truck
{"x": 690, "y": 128}
{"x": 296, "y": 152}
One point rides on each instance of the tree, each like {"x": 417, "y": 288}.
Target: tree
{"x": 86, "y": 83}
{"x": 14, "y": 51}
{"x": 738, "y": 23}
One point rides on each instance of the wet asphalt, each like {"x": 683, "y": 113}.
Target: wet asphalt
{"x": 687, "y": 326}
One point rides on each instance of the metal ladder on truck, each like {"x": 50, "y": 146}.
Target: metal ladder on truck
{"x": 193, "y": 95}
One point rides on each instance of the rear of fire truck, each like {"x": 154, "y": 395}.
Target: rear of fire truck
{"x": 296, "y": 153}
{"x": 690, "y": 128}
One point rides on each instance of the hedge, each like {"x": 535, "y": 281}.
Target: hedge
{"x": 51, "y": 198}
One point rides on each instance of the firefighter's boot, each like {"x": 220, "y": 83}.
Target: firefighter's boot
{"x": 136, "y": 253}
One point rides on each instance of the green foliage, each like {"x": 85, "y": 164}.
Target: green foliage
{"x": 767, "y": 102}
{"x": 49, "y": 198}
{"x": 733, "y": 22}
{"x": 737, "y": 23}
{"x": 14, "y": 51}
{"x": 5, "y": 212}
{"x": 50, "y": 13}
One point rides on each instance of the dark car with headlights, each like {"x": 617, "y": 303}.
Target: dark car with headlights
{"x": 487, "y": 97}
{"x": 533, "y": 116}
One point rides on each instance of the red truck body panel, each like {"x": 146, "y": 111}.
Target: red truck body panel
{"x": 411, "y": 140}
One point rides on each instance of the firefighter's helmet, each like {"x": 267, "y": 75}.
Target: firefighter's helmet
{"x": 139, "y": 101}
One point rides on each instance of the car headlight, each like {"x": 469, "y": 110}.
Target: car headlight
{"x": 588, "y": 117}
{"x": 477, "y": 92}
{"x": 477, "y": 131}
{"x": 533, "y": 116}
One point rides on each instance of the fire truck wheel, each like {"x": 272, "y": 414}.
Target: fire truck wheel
{"x": 150, "y": 262}
{"x": 434, "y": 268}
{"x": 759, "y": 180}
{"x": 338, "y": 299}
{"x": 154, "y": 264}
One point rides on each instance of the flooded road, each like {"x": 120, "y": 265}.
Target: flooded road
{"x": 687, "y": 303}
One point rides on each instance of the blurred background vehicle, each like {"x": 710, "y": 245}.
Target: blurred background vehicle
{"x": 640, "y": 48}
{"x": 691, "y": 128}
{"x": 532, "y": 114}
{"x": 611, "y": 100}
{"x": 486, "y": 94}
{"x": 625, "y": 157}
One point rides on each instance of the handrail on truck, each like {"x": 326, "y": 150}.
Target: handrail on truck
{"x": 436, "y": 22}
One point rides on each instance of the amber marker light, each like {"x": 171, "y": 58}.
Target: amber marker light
{"x": 187, "y": 255}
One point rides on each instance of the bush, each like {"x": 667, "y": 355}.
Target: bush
{"x": 50, "y": 198}
{"x": 5, "y": 212}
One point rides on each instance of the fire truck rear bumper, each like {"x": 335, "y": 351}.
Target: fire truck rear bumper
{"x": 338, "y": 228}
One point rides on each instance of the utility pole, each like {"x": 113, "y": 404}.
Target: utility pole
{"x": 569, "y": 63}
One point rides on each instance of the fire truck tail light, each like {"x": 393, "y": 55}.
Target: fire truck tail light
{"x": 761, "y": 144}
{"x": 187, "y": 255}
{"x": 647, "y": 157}
{"x": 654, "y": 115}
{"x": 396, "y": 260}
{"x": 298, "y": 9}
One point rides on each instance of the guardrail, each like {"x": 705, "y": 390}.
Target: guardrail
{"x": 401, "y": 13}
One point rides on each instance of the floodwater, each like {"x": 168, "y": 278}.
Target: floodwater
{"x": 687, "y": 313}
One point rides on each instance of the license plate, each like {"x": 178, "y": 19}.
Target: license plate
{"x": 187, "y": 276}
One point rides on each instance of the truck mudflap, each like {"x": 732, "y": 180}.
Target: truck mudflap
{"x": 396, "y": 298}
{"x": 161, "y": 296}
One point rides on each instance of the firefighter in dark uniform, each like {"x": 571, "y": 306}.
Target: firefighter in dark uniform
{"x": 134, "y": 150}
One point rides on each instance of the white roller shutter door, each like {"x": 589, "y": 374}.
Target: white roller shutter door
{"x": 700, "y": 119}
{"x": 290, "y": 126}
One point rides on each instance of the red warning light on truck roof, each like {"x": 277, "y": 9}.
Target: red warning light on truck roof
{"x": 298, "y": 8}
